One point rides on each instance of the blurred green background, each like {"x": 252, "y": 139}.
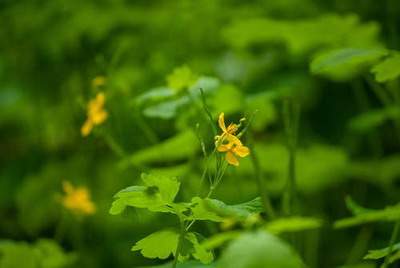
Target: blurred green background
{"x": 246, "y": 55}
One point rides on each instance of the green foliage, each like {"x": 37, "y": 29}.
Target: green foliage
{"x": 390, "y": 213}
{"x": 163, "y": 243}
{"x": 239, "y": 211}
{"x": 43, "y": 254}
{"x": 260, "y": 249}
{"x": 319, "y": 166}
{"x": 388, "y": 69}
{"x": 380, "y": 253}
{"x": 345, "y": 63}
{"x": 179, "y": 147}
{"x": 160, "y": 244}
{"x": 292, "y": 224}
{"x": 157, "y": 194}
{"x": 201, "y": 211}
{"x": 181, "y": 78}
{"x": 374, "y": 119}
{"x": 302, "y": 36}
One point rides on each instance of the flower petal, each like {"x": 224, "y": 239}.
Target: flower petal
{"x": 87, "y": 128}
{"x": 231, "y": 159}
{"x": 221, "y": 122}
{"x": 233, "y": 139}
{"x": 241, "y": 151}
{"x": 224, "y": 148}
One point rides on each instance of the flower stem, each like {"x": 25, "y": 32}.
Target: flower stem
{"x": 291, "y": 115}
{"x": 269, "y": 210}
{"x": 393, "y": 238}
{"x": 180, "y": 242}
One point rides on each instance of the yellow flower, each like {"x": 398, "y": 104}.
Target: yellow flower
{"x": 95, "y": 114}
{"x": 226, "y": 131}
{"x": 77, "y": 199}
{"x": 233, "y": 148}
{"x": 228, "y": 143}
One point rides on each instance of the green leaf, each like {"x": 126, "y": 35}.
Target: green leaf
{"x": 388, "y": 69}
{"x": 179, "y": 147}
{"x": 382, "y": 172}
{"x": 228, "y": 99}
{"x": 259, "y": 249}
{"x": 266, "y": 114}
{"x": 219, "y": 239}
{"x": 303, "y": 35}
{"x": 160, "y": 244}
{"x": 376, "y": 254}
{"x": 292, "y": 224}
{"x": 345, "y": 63}
{"x": 181, "y": 78}
{"x": 239, "y": 211}
{"x": 44, "y": 254}
{"x": 319, "y": 166}
{"x": 355, "y": 208}
{"x": 157, "y": 194}
{"x": 373, "y": 119}
{"x": 166, "y": 109}
{"x": 391, "y": 213}
{"x": 200, "y": 211}
{"x": 199, "y": 251}
{"x": 163, "y": 243}
{"x": 187, "y": 264}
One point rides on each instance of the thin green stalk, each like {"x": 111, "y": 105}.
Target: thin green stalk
{"x": 393, "y": 239}
{"x": 148, "y": 132}
{"x": 114, "y": 146}
{"x": 291, "y": 114}
{"x": 180, "y": 242}
{"x": 269, "y": 210}
{"x": 208, "y": 113}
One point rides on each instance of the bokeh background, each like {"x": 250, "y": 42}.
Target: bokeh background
{"x": 246, "y": 55}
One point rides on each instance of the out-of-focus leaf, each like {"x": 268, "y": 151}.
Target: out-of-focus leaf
{"x": 181, "y": 78}
{"x": 266, "y": 114}
{"x": 374, "y": 118}
{"x": 167, "y": 109}
{"x": 391, "y": 213}
{"x": 345, "y": 63}
{"x": 376, "y": 254}
{"x": 303, "y": 36}
{"x": 160, "y": 244}
{"x": 260, "y": 249}
{"x": 219, "y": 239}
{"x": 44, "y": 254}
{"x": 239, "y": 211}
{"x": 154, "y": 95}
{"x": 388, "y": 69}
{"x": 186, "y": 264}
{"x": 157, "y": 194}
{"x": 318, "y": 166}
{"x": 179, "y": 147}
{"x": 201, "y": 211}
{"x": 355, "y": 208}
{"x": 380, "y": 172}
{"x": 228, "y": 99}
{"x": 292, "y": 224}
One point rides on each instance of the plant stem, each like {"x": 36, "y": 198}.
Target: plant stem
{"x": 393, "y": 238}
{"x": 261, "y": 184}
{"x": 291, "y": 114}
{"x": 114, "y": 146}
{"x": 180, "y": 242}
